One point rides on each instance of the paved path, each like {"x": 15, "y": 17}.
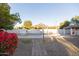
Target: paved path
{"x": 23, "y": 50}
{"x": 57, "y": 46}
{"x": 38, "y": 48}
{"x": 69, "y": 46}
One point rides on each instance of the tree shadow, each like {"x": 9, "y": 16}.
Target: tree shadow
{"x": 70, "y": 46}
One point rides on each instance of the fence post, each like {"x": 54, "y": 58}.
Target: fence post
{"x": 43, "y": 34}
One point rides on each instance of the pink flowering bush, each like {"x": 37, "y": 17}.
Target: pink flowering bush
{"x": 8, "y": 42}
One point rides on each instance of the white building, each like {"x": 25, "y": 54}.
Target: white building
{"x": 73, "y": 29}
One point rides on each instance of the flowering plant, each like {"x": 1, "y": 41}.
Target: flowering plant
{"x": 8, "y": 42}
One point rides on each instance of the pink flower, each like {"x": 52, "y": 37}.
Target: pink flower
{"x": 9, "y": 41}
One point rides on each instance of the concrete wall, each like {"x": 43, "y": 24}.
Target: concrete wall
{"x": 77, "y": 32}
{"x": 59, "y": 31}
{"x": 54, "y": 31}
{"x": 25, "y": 32}
{"x": 17, "y": 31}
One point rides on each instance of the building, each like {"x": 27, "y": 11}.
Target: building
{"x": 72, "y": 29}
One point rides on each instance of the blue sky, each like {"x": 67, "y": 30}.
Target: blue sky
{"x": 47, "y": 13}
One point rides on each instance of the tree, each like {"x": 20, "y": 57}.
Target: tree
{"x": 75, "y": 20}
{"x": 14, "y": 18}
{"x": 64, "y": 24}
{"x": 7, "y": 20}
{"x": 27, "y": 24}
{"x": 40, "y": 26}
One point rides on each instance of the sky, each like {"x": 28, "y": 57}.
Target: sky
{"x": 48, "y": 13}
